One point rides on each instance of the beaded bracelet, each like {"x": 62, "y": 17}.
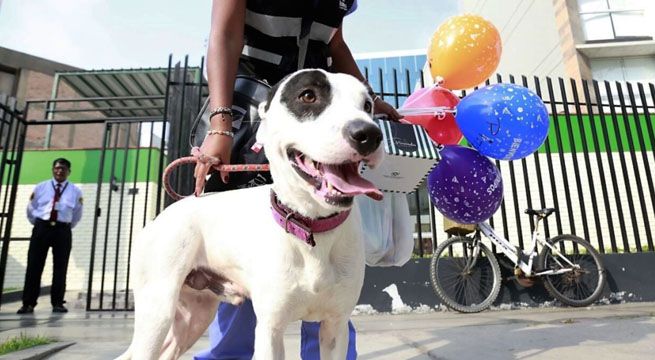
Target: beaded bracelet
{"x": 220, "y": 132}
{"x": 220, "y": 110}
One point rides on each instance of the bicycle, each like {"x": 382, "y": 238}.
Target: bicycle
{"x": 465, "y": 273}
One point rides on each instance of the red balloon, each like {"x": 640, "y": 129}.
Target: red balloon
{"x": 441, "y": 128}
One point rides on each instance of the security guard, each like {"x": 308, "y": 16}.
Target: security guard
{"x": 55, "y": 207}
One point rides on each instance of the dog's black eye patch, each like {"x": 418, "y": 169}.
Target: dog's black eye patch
{"x": 272, "y": 92}
{"x": 307, "y": 94}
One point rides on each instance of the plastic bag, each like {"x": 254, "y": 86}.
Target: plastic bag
{"x": 388, "y": 230}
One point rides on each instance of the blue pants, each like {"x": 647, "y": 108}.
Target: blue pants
{"x": 232, "y": 336}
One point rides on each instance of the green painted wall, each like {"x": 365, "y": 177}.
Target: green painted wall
{"x": 626, "y": 131}
{"x": 625, "y": 134}
{"x": 37, "y": 165}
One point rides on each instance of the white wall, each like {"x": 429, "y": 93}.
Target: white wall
{"x": 531, "y": 43}
{"x": 78, "y": 270}
{"x": 78, "y": 267}
{"x": 625, "y": 203}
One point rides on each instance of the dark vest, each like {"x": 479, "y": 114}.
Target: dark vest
{"x": 273, "y": 30}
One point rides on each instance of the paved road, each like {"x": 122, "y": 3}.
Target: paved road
{"x": 623, "y": 331}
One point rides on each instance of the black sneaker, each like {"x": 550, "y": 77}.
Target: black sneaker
{"x": 59, "y": 309}
{"x": 25, "y": 309}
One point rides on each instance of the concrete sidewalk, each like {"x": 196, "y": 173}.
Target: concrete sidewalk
{"x": 624, "y": 331}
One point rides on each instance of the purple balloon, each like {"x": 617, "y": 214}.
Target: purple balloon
{"x": 465, "y": 186}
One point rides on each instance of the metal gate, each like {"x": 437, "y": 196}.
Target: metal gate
{"x": 12, "y": 140}
{"x": 134, "y": 111}
{"x": 129, "y": 179}
{"x": 129, "y": 188}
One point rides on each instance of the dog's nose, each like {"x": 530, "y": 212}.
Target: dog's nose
{"x": 363, "y": 136}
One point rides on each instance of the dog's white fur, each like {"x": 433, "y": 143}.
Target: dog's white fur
{"x": 233, "y": 234}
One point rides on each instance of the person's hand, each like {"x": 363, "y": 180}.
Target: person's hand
{"x": 214, "y": 146}
{"x": 382, "y": 107}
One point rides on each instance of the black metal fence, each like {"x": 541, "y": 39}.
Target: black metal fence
{"x": 186, "y": 95}
{"x": 594, "y": 167}
{"x": 124, "y": 207}
{"x": 128, "y": 195}
{"x": 125, "y": 137}
{"x": 12, "y": 141}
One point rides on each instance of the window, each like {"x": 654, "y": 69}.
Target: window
{"x": 614, "y": 20}
{"x": 638, "y": 69}
{"x": 7, "y": 82}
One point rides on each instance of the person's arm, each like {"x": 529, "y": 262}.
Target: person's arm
{"x": 343, "y": 62}
{"x": 223, "y": 51}
{"x": 77, "y": 210}
{"x": 31, "y": 207}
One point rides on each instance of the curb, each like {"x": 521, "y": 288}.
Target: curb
{"x": 37, "y": 352}
{"x": 17, "y": 295}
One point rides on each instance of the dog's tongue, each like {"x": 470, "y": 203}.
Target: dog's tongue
{"x": 347, "y": 180}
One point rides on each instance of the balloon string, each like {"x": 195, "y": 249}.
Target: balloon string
{"x": 421, "y": 96}
{"x": 439, "y": 111}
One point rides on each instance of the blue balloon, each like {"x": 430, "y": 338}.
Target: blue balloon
{"x": 503, "y": 121}
{"x": 465, "y": 186}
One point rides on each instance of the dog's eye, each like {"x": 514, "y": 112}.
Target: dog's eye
{"x": 307, "y": 96}
{"x": 368, "y": 106}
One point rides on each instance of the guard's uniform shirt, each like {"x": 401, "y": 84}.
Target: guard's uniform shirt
{"x": 69, "y": 206}
{"x": 52, "y": 222}
{"x": 274, "y": 29}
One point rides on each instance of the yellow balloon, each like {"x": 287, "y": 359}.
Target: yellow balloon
{"x": 465, "y": 50}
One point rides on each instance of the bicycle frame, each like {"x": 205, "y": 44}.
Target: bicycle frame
{"x": 521, "y": 258}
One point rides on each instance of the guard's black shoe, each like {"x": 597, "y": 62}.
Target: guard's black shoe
{"x": 25, "y": 309}
{"x": 59, "y": 309}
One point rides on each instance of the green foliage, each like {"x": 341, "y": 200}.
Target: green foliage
{"x": 22, "y": 342}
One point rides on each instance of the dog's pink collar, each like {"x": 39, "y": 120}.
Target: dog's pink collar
{"x": 302, "y": 227}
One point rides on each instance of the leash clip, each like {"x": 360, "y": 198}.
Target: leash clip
{"x": 286, "y": 221}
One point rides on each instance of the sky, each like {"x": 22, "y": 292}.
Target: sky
{"x": 113, "y": 34}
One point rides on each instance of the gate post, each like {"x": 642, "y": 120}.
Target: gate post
{"x": 18, "y": 125}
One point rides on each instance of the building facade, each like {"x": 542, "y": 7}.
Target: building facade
{"x": 393, "y": 72}
{"x": 581, "y": 39}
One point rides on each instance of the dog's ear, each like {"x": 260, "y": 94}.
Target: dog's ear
{"x": 261, "y": 132}
{"x": 262, "y": 110}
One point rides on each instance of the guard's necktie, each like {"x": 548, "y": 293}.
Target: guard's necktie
{"x": 55, "y": 200}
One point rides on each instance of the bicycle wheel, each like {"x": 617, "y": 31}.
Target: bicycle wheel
{"x": 581, "y": 286}
{"x": 464, "y": 281}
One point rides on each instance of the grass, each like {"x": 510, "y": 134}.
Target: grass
{"x": 22, "y": 342}
{"x": 10, "y": 289}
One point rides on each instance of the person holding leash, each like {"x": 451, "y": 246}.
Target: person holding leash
{"x": 55, "y": 208}
{"x": 267, "y": 40}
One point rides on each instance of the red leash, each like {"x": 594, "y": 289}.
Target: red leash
{"x": 196, "y": 156}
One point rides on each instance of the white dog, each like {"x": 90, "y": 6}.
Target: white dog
{"x": 317, "y": 127}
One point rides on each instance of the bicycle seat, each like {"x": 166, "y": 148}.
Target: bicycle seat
{"x": 544, "y": 213}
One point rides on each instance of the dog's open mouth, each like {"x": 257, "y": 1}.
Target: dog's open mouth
{"x": 336, "y": 183}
